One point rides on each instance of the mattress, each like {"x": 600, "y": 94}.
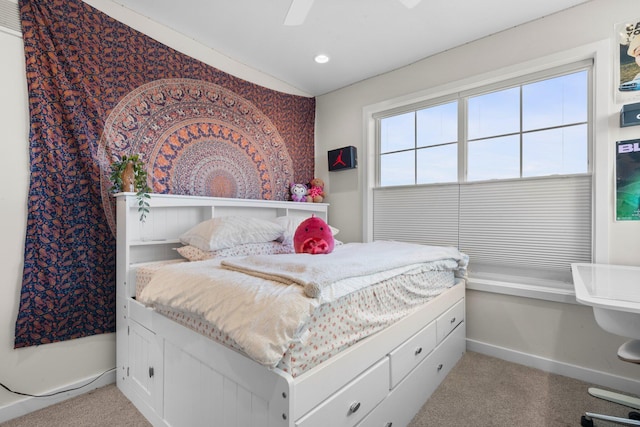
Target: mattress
{"x": 331, "y": 326}
{"x": 145, "y": 272}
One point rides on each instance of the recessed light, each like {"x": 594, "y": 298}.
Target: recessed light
{"x": 321, "y": 59}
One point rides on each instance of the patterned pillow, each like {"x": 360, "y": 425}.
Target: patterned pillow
{"x": 270, "y": 248}
{"x": 229, "y": 231}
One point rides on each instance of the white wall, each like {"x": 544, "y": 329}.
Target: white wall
{"x": 557, "y": 336}
{"x": 42, "y": 369}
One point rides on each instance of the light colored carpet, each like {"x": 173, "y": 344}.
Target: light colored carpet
{"x": 480, "y": 391}
{"x": 488, "y": 392}
{"x": 103, "y": 407}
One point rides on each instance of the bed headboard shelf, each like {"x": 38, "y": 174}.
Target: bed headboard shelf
{"x": 177, "y": 200}
{"x": 170, "y": 215}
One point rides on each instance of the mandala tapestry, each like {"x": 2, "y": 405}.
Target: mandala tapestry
{"x": 197, "y": 138}
{"x": 99, "y": 89}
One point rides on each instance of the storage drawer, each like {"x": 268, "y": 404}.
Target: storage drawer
{"x": 348, "y": 406}
{"x": 450, "y": 319}
{"x": 408, "y": 355}
{"x": 405, "y": 400}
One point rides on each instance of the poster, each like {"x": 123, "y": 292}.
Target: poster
{"x": 627, "y": 69}
{"x": 628, "y": 180}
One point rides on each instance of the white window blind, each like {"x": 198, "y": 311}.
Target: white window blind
{"x": 524, "y": 230}
{"x": 418, "y": 214}
{"x": 529, "y": 229}
{"x": 10, "y": 18}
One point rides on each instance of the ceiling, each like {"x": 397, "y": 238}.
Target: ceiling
{"x": 363, "y": 38}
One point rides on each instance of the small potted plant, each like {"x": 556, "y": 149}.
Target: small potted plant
{"x": 128, "y": 174}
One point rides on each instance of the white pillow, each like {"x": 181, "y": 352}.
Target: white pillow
{"x": 228, "y": 231}
{"x": 290, "y": 225}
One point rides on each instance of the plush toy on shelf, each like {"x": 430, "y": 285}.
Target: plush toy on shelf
{"x": 316, "y": 191}
{"x": 298, "y": 192}
{"x": 313, "y": 236}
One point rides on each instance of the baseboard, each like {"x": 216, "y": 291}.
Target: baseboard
{"x": 30, "y": 404}
{"x": 587, "y": 375}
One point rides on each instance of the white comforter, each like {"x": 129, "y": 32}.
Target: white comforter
{"x": 317, "y": 273}
{"x": 264, "y": 316}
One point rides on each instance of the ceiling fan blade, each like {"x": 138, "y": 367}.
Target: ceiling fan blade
{"x": 297, "y": 12}
{"x": 410, "y": 4}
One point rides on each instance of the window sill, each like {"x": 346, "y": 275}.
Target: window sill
{"x": 542, "y": 292}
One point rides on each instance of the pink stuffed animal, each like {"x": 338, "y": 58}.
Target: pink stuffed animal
{"x": 316, "y": 191}
{"x": 313, "y": 236}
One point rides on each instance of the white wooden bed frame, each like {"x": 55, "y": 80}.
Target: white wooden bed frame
{"x": 177, "y": 377}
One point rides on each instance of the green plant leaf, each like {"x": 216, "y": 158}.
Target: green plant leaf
{"x": 140, "y": 180}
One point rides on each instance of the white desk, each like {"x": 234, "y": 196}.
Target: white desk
{"x": 613, "y": 287}
{"x": 614, "y": 293}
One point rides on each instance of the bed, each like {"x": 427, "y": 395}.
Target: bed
{"x": 177, "y": 375}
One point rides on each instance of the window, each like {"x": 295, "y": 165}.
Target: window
{"x": 508, "y": 174}
{"x": 534, "y": 129}
{"x": 420, "y": 147}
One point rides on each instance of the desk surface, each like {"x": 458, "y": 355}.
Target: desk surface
{"x": 615, "y": 287}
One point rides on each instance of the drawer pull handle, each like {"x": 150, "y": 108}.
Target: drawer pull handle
{"x": 354, "y": 407}
{"x": 151, "y": 372}
{"x": 418, "y": 350}
{"x": 453, "y": 320}
{"x": 440, "y": 366}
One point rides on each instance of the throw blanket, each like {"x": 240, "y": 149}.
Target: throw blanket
{"x": 260, "y": 316}
{"x": 316, "y": 273}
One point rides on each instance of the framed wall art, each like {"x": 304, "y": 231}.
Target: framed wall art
{"x": 627, "y": 62}
{"x": 628, "y": 180}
